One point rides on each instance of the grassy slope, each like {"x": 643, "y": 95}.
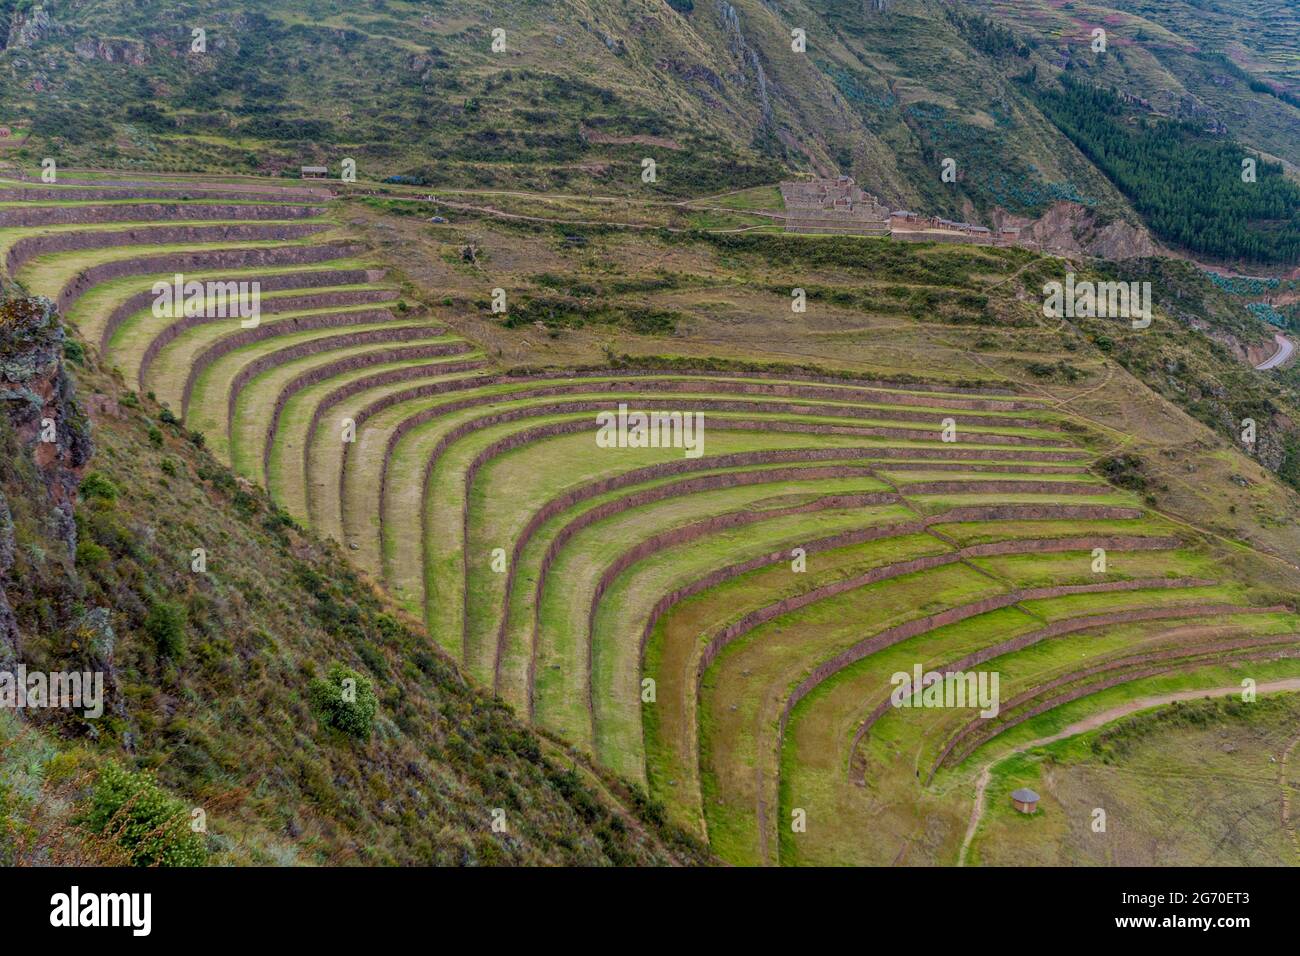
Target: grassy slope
{"x": 227, "y": 725}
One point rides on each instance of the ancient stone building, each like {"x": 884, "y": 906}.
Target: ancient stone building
{"x": 833, "y": 206}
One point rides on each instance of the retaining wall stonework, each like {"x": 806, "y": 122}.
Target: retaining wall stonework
{"x": 1128, "y": 676}
{"x": 351, "y": 363}
{"x": 517, "y": 414}
{"x": 270, "y": 283}
{"x": 909, "y": 629}
{"x": 354, "y": 387}
{"x": 128, "y": 191}
{"x": 338, "y": 342}
{"x": 1063, "y": 628}
{"x": 678, "y": 535}
{"x": 170, "y": 263}
{"x": 716, "y": 382}
{"x": 305, "y": 323}
{"x": 913, "y": 628}
{"x": 975, "y": 733}
{"x": 567, "y": 428}
{"x": 11, "y": 216}
{"x": 572, "y": 427}
{"x": 174, "y": 330}
{"x": 862, "y": 535}
{"x": 28, "y": 248}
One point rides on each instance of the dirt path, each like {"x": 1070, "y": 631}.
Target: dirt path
{"x": 1285, "y": 781}
{"x": 1092, "y": 723}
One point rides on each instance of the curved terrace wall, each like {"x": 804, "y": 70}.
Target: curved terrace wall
{"x": 30, "y": 247}
{"x": 1123, "y": 678}
{"x": 1069, "y": 626}
{"x": 270, "y": 283}
{"x": 271, "y": 360}
{"x": 1185, "y": 655}
{"x": 304, "y": 323}
{"x": 202, "y": 260}
{"x": 12, "y": 216}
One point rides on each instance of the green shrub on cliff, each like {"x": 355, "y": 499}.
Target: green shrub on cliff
{"x": 137, "y": 816}
{"x": 344, "y": 700}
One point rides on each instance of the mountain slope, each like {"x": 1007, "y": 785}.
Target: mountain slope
{"x": 580, "y": 93}
{"x": 212, "y": 677}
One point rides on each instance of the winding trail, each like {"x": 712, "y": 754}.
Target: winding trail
{"x": 1284, "y": 779}
{"x": 1092, "y": 723}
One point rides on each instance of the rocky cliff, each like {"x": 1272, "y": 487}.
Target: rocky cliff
{"x": 47, "y": 446}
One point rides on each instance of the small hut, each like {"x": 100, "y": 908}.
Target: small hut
{"x": 314, "y": 172}
{"x": 1024, "y": 800}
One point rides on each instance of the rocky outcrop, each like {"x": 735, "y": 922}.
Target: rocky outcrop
{"x": 29, "y": 27}
{"x": 132, "y": 52}
{"x": 38, "y": 401}
{"x": 8, "y": 622}
{"x": 1072, "y": 228}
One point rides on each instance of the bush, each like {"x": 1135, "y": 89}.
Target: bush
{"x": 98, "y": 485}
{"x": 166, "y": 625}
{"x": 167, "y": 416}
{"x": 349, "y": 707}
{"x": 90, "y": 554}
{"x": 142, "y": 819}
{"x": 1124, "y": 471}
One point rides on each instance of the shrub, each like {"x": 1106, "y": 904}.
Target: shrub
{"x": 142, "y": 819}
{"x": 74, "y": 352}
{"x": 167, "y": 416}
{"x": 166, "y": 625}
{"x": 155, "y": 436}
{"x": 344, "y": 700}
{"x": 90, "y": 554}
{"x": 97, "y": 485}
{"x": 1123, "y": 471}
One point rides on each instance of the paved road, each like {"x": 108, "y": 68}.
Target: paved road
{"x": 1284, "y": 349}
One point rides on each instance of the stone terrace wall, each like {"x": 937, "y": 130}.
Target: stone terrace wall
{"x": 30, "y": 247}
{"x": 198, "y": 261}
{"x": 271, "y": 283}
{"x": 147, "y": 212}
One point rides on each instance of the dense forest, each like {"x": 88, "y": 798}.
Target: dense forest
{"x": 1187, "y": 184}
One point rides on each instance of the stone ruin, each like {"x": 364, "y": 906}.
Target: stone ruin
{"x": 833, "y": 206}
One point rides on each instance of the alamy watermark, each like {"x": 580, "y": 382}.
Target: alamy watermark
{"x": 952, "y": 689}
{"x": 624, "y": 429}
{"x": 210, "y": 299}
{"x": 74, "y": 690}
{"x": 1101, "y": 300}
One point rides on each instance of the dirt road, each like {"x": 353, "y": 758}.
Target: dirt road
{"x": 1098, "y": 720}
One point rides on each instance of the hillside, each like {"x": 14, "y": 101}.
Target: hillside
{"x": 212, "y": 678}
{"x": 918, "y": 469}
{"x": 579, "y": 94}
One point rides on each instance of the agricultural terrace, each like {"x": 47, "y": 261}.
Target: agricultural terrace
{"x": 720, "y": 628}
